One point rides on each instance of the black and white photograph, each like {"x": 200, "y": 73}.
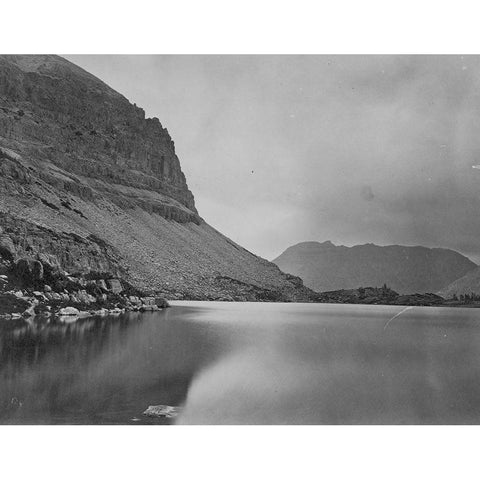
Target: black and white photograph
{"x": 240, "y": 270}
{"x": 238, "y": 239}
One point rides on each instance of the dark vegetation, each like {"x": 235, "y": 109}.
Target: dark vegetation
{"x": 379, "y": 296}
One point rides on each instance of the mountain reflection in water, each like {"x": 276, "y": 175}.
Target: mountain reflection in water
{"x": 95, "y": 370}
{"x": 243, "y": 363}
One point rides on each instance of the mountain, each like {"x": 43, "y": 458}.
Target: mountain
{"x": 91, "y": 186}
{"x": 468, "y": 284}
{"x": 325, "y": 266}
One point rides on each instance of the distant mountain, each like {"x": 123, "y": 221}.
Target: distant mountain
{"x": 325, "y": 266}
{"x": 469, "y": 283}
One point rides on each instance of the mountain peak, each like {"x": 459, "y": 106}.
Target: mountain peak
{"x": 326, "y": 267}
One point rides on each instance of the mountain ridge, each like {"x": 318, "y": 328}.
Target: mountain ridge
{"x": 406, "y": 269}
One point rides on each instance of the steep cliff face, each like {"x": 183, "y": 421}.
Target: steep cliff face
{"x": 55, "y": 115}
{"x": 325, "y": 266}
{"x": 90, "y": 182}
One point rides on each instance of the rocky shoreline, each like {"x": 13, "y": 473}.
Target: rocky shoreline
{"x": 16, "y": 305}
{"x": 30, "y": 287}
{"x": 38, "y": 286}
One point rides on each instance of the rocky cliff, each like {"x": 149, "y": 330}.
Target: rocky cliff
{"x": 325, "y": 266}
{"x": 88, "y": 184}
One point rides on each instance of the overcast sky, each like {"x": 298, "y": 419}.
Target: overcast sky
{"x": 352, "y": 149}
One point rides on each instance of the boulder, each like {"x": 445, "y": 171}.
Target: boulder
{"x": 29, "y": 312}
{"x": 116, "y": 311}
{"x": 7, "y": 247}
{"x": 162, "y": 411}
{"x": 102, "y": 284}
{"x": 161, "y": 302}
{"x": 83, "y": 296}
{"x": 29, "y": 270}
{"x": 134, "y": 300}
{"x": 114, "y": 285}
{"x": 37, "y": 270}
{"x": 49, "y": 260}
{"x": 69, "y": 311}
{"x": 148, "y": 308}
{"x": 47, "y": 288}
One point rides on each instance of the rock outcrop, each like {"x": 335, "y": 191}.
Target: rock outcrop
{"x": 162, "y": 411}
{"x": 57, "y": 116}
{"x": 325, "y": 266}
{"x": 90, "y": 186}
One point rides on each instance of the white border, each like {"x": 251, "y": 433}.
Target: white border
{"x": 238, "y": 452}
{"x": 248, "y": 26}
{"x": 238, "y": 27}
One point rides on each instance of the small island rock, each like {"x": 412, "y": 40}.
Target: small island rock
{"x": 69, "y": 311}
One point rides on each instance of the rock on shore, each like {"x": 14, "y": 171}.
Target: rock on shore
{"x": 66, "y": 294}
{"x": 166, "y": 411}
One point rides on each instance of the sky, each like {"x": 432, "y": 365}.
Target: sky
{"x": 279, "y": 150}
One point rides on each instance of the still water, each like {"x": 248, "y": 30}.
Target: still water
{"x": 246, "y": 363}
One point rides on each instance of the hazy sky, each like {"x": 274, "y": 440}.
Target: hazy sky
{"x": 352, "y": 149}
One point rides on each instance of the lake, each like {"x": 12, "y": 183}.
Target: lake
{"x": 246, "y": 363}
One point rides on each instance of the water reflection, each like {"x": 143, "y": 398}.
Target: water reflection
{"x": 337, "y": 364}
{"x": 95, "y": 370}
{"x": 245, "y": 363}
